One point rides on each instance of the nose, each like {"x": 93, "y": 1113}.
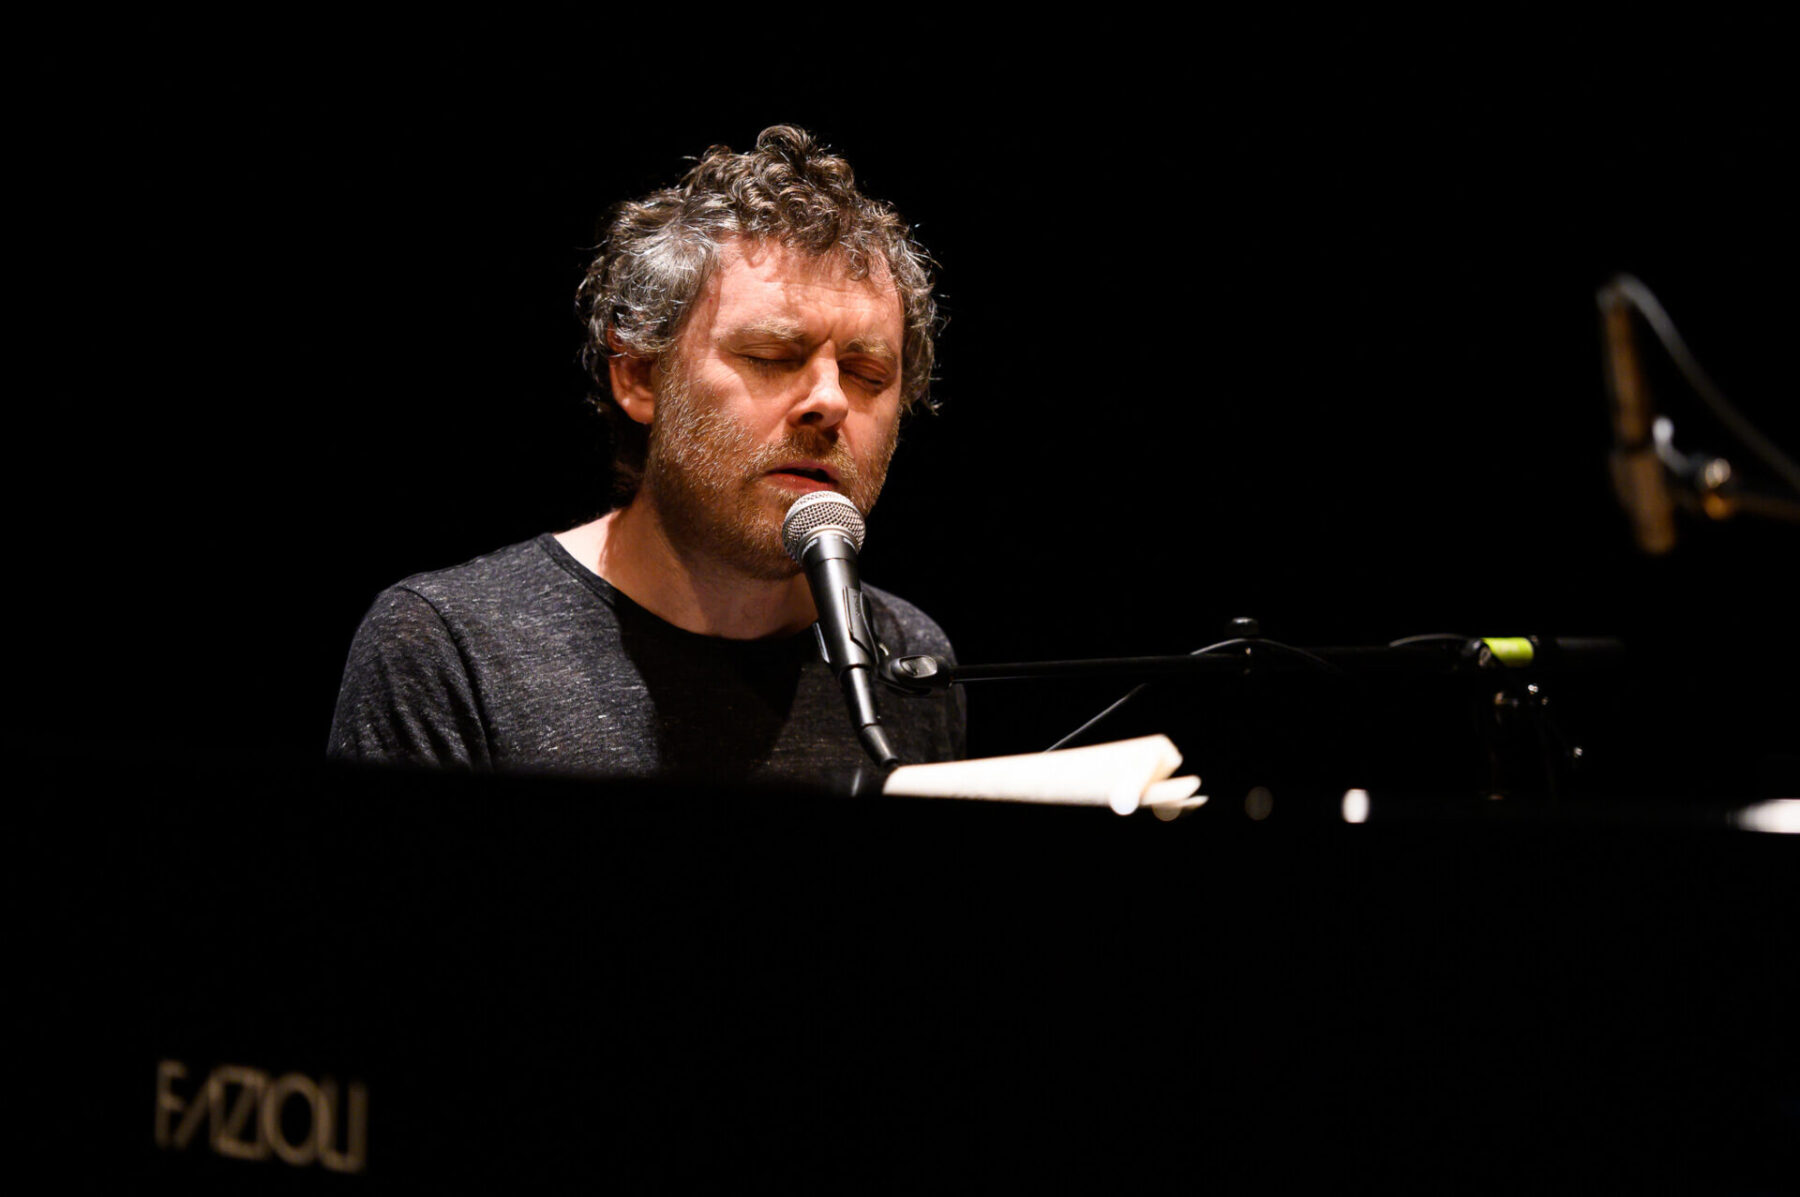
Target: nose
{"x": 824, "y": 404}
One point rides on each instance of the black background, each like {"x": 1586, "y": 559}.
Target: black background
{"x": 1232, "y": 330}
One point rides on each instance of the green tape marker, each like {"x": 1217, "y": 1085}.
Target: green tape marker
{"x": 1510, "y": 650}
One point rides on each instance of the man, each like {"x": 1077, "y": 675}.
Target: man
{"x": 755, "y": 333}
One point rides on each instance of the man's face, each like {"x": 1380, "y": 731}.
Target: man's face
{"x": 785, "y": 380}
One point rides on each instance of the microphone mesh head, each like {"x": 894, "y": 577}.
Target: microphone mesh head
{"x": 819, "y": 511}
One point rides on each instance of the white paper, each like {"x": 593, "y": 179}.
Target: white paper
{"x": 1124, "y": 775}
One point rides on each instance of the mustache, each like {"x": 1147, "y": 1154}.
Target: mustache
{"x": 815, "y": 446}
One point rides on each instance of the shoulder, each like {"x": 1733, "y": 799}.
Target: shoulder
{"x": 904, "y": 628}
{"x": 505, "y": 591}
{"x": 520, "y": 568}
{"x": 510, "y": 609}
{"x": 422, "y": 667}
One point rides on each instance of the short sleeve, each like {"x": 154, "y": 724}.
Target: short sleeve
{"x": 406, "y": 694}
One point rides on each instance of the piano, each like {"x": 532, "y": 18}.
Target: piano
{"x": 355, "y": 980}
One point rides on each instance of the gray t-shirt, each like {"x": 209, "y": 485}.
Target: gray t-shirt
{"x": 526, "y": 660}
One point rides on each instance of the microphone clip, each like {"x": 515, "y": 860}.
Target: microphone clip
{"x": 916, "y": 674}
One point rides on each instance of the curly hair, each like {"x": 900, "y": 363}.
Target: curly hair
{"x": 659, "y": 252}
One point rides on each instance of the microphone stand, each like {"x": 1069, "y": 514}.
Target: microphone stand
{"x": 1650, "y": 475}
{"x": 1253, "y": 654}
{"x": 1514, "y": 712}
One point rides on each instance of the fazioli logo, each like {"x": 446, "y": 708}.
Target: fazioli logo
{"x": 248, "y": 1115}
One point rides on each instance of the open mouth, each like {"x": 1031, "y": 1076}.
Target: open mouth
{"x": 810, "y": 473}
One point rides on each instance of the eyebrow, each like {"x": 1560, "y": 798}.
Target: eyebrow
{"x": 771, "y": 327}
{"x": 875, "y": 347}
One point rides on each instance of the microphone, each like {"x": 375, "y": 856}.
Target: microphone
{"x": 1637, "y": 472}
{"x": 823, "y": 531}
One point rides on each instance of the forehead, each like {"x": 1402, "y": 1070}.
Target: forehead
{"x": 756, "y": 282}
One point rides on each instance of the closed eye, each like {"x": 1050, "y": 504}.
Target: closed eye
{"x": 873, "y": 379}
{"x": 872, "y": 375}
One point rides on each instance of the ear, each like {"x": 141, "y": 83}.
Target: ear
{"x": 633, "y": 381}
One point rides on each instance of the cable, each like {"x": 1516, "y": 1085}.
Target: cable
{"x": 1321, "y": 662}
{"x": 1121, "y": 701}
{"x": 1253, "y": 642}
{"x": 1137, "y": 690}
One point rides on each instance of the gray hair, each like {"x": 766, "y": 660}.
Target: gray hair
{"x": 659, "y": 252}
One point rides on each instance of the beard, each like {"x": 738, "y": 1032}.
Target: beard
{"x": 704, "y": 474}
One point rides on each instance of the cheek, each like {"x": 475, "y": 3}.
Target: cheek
{"x": 875, "y": 443}
{"x": 746, "y": 419}
{"x": 884, "y": 428}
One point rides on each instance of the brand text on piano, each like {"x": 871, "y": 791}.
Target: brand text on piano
{"x": 249, "y": 1115}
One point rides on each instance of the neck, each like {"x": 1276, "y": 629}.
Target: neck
{"x": 632, "y": 550}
